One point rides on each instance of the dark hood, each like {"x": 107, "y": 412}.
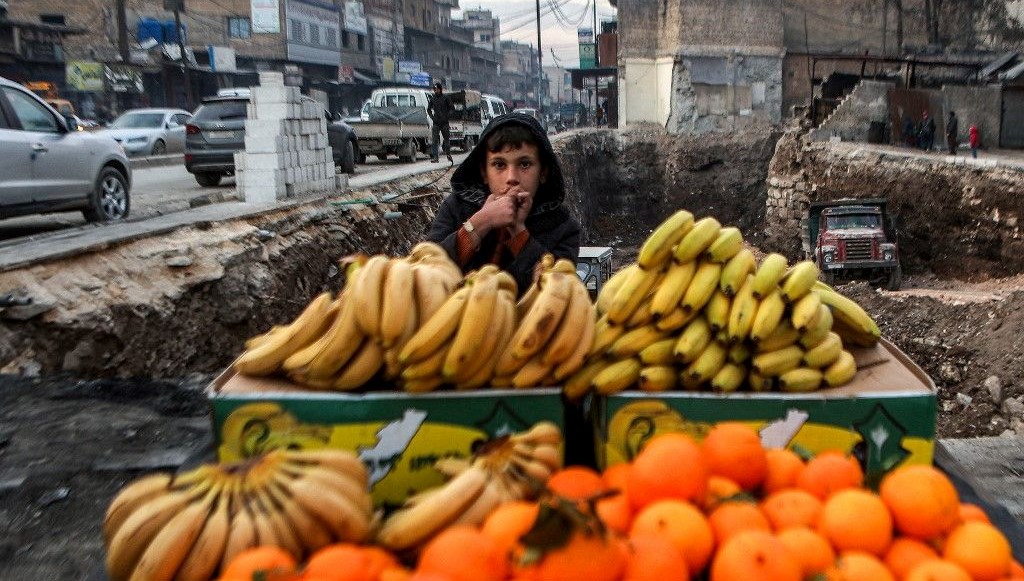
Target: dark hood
{"x": 468, "y": 183}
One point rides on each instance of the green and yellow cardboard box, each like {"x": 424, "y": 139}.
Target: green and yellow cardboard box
{"x": 398, "y": 436}
{"x": 885, "y": 416}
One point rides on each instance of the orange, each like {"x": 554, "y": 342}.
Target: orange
{"x": 783, "y": 468}
{"x": 341, "y": 562}
{"x": 792, "y": 507}
{"x": 923, "y": 502}
{"x": 576, "y": 482}
{"x": 905, "y": 553}
{"x": 810, "y": 549}
{"x": 972, "y": 512}
{"x": 616, "y": 476}
{"x": 463, "y": 553}
{"x": 1016, "y": 570}
{"x": 615, "y": 512}
{"x": 589, "y": 557}
{"x": 655, "y": 558}
{"x": 395, "y": 574}
{"x": 858, "y": 566}
{"x": 669, "y": 466}
{"x": 734, "y": 517}
{"x": 719, "y": 489}
{"x": 251, "y": 561}
{"x": 937, "y": 570}
{"x": 980, "y": 549}
{"x": 828, "y": 472}
{"x": 755, "y": 556}
{"x": 509, "y": 522}
{"x": 379, "y": 560}
{"x": 684, "y": 525}
{"x": 734, "y": 450}
{"x": 856, "y": 520}
{"x": 421, "y": 576}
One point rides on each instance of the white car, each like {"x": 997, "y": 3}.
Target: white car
{"x": 150, "y": 131}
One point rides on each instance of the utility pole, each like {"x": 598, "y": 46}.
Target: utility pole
{"x": 179, "y": 5}
{"x": 540, "y": 62}
{"x": 122, "y": 30}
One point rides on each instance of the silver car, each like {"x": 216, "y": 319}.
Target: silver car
{"x": 46, "y": 165}
{"x": 150, "y": 131}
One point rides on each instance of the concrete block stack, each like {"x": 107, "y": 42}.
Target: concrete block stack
{"x": 286, "y": 147}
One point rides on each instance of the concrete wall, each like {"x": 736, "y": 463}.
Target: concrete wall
{"x": 976, "y": 105}
{"x": 645, "y": 90}
{"x": 868, "y": 102}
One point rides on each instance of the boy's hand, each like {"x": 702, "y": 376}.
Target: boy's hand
{"x": 524, "y": 202}
{"x": 498, "y": 211}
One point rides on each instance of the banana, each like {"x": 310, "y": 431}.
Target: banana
{"x": 799, "y": 281}
{"x": 800, "y": 380}
{"x": 697, "y": 240}
{"x": 397, "y": 299}
{"x": 861, "y": 329}
{"x": 307, "y": 529}
{"x": 672, "y": 287}
{"x": 616, "y": 376}
{"x": 657, "y": 249}
{"x": 204, "y": 558}
{"x": 659, "y": 353}
{"x": 658, "y": 378}
{"x": 742, "y": 311}
{"x": 842, "y": 371}
{"x": 577, "y": 385}
{"x": 825, "y": 353}
{"x": 503, "y": 333}
{"x": 708, "y": 363}
{"x": 241, "y": 531}
{"x": 739, "y": 353}
{"x": 170, "y": 547}
{"x": 729, "y": 378}
{"x": 542, "y": 321}
{"x": 735, "y": 272}
{"x": 702, "y": 287}
{"x": 819, "y": 328}
{"x": 269, "y": 355}
{"x": 491, "y": 346}
{"x": 768, "y": 275}
{"x": 758, "y": 382}
{"x": 608, "y": 291}
{"x": 342, "y": 461}
{"x": 130, "y": 498}
{"x": 425, "y": 385}
{"x": 362, "y": 367}
{"x": 578, "y": 314}
{"x": 429, "y": 367}
{"x": 392, "y": 368}
{"x": 426, "y": 249}
{"x": 367, "y": 291}
{"x": 575, "y": 360}
{"x": 717, "y": 311}
{"x": 675, "y": 320}
{"x": 342, "y": 483}
{"x": 437, "y": 330}
{"x": 727, "y": 245}
{"x": 412, "y": 526}
{"x": 635, "y": 341}
{"x": 476, "y": 321}
{"x": 489, "y": 499}
{"x": 693, "y": 340}
{"x": 531, "y": 374}
{"x": 430, "y": 290}
{"x": 325, "y": 357}
{"x": 605, "y": 334}
{"x": 257, "y": 340}
{"x": 508, "y": 284}
{"x": 642, "y": 315}
{"x": 342, "y": 516}
{"x": 805, "y": 311}
{"x": 265, "y": 532}
{"x": 775, "y": 363}
{"x": 286, "y": 537}
{"x": 783, "y": 336}
{"x": 631, "y": 293}
{"x": 543, "y": 432}
{"x": 769, "y": 314}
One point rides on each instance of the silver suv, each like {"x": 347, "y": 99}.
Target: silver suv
{"x": 46, "y": 165}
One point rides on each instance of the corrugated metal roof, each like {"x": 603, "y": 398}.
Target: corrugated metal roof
{"x": 997, "y": 64}
{"x": 1014, "y": 73}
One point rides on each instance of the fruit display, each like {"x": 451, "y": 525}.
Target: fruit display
{"x": 164, "y": 527}
{"x": 417, "y": 323}
{"x": 697, "y": 312}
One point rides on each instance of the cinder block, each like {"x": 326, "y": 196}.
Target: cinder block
{"x": 264, "y": 161}
{"x": 271, "y": 78}
{"x": 264, "y": 128}
{"x": 275, "y": 144}
{"x": 271, "y": 111}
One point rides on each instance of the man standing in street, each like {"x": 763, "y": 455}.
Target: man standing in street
{"x": 952, "y": 130}
{"x": 926, "y": 132}
{"x": 439, "y": 109}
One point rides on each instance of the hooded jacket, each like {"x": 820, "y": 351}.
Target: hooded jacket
{"x": 551, "y": 227}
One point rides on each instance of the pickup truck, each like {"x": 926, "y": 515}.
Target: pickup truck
{"x": 465, "y": 123}
{"x": 403, "y": 131}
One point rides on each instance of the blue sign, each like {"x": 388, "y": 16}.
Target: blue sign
{"x": 420, "y": 79}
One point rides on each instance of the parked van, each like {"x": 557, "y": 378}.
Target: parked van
{"x": 491, "y": 107}
{"x": 400, "y": 97}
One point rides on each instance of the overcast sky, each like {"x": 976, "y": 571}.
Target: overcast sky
{"x": 519, "y": 22}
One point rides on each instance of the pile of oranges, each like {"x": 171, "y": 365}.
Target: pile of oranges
{"x": 724, "y": 509}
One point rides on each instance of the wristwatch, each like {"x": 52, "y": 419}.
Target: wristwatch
{"x": 468, "y": 226}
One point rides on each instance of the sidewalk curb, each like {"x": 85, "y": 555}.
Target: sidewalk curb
{"x": 156, "y": 161}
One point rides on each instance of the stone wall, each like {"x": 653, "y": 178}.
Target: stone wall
{"x": 868, "y": 102}
{"x": 980, "y": 105}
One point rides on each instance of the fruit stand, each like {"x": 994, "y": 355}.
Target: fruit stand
{"x": 748, "y": 422}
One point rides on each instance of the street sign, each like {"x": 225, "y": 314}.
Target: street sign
{"x": 84, "y": 76}
{"x": 588, "y": 56}
{"x": 420, "y": 79}
{"x": 585, "y": 35}
{"x": 409, "y": 67}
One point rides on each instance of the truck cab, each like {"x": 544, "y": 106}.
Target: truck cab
{"x": 855, "y": 239}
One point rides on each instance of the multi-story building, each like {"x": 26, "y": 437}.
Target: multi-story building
{"x": 443, "y": 50}
{"x": 485, "y": 27}
{"x": 519, "y": 74}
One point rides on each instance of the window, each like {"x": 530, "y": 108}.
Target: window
{"x": 180, "y": 119}
{"x": 331, "y": 37}
{"x": 360, "y": 42}
{"x": 344, "y": 38}
{"x": 298, "y": 31}
{"x": 32, "y": 115}
{"x": 314, "y": 34}
{"x": 485, "y": 37}
{"x": 239, "y": 27}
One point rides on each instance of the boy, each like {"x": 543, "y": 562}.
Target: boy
{"x": 506, "y": 203}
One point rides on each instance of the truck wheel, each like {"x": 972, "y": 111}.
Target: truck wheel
{"x": 348, "y": 161}
{"x": 208, "y": 179}
{"x": 895, "y": 279}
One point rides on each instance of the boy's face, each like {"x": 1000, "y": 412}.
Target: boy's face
{"x": 512, "y": 169}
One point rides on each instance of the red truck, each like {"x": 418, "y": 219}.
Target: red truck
{"x": 855, "y": 239}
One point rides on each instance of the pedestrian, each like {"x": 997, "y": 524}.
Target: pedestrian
{"x": 926, "y": 132}
{"x": 507, "y": 203}
{"x": 439, "y": 108}
{"x": 909, "y": 138}
{"x": 952, "y": 131}
{"x": 975, "y": 140}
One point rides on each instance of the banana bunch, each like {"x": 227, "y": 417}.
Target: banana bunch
{"x": 696, "y": 311}
{"x": 511, "y": 468}
{"x": 187, "y": 527}
{"x": 341, "y": 344}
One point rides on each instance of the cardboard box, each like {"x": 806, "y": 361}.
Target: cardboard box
{"x": 398, "y": 435}
{"x": 886, "y": 416}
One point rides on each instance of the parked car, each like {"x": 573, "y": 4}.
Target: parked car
{"x": 150, "y": 131}
{"x": 217, "y": 131}
{"x": 47, "y": 165}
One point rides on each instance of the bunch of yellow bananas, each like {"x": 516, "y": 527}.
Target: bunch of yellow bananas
{"x": 163, "y": 527}
{"x": 696, "y": 311}
{"x": 512, "y": 468}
